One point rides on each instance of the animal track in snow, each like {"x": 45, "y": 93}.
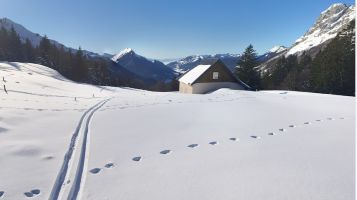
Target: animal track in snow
{"x": 342, "y": 118}
{"x": 233, "y": 139}
{"x": 292, "y": 126}
{"x": 319, "y": 120}
{"x": 282, "y": 129}
{"x": 3, "y": 130}
{"x": 28, "y": 194}
{"x": 165, "y": 151}
{"x": 255, "y": 137}
{"x": 109, "y": 165}
{"x": 193, "y": 145}
{"x": 330, "y": 118}
{"x": 95, "y": 170}
{"x": 138, "y": 158}
{"x": 272, "y": 133}
{"x": 307, "y": 123}
{"x": 48, "y": 158}
{"x": 35, "y": 191}
{"x": 32, "y": 193}
{"x": 213, "y": 143}
{"x": 2, "y": 194}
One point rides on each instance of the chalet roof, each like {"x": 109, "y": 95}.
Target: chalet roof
{"x": 192, "y": 75}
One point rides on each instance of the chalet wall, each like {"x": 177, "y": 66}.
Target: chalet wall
{"x": 224, "y": 74}
{"x": 184, "y": 88}
{"x": 202, "y": 88}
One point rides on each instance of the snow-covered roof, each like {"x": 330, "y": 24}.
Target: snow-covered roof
{"x": 193, "y": 74}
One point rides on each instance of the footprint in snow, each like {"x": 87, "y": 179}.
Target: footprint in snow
{"x": 32, "y": 193}
{"x": 35, "y": 191}
{"x": 307, "y": 123}
{"x": 3, "y": 130}
{"x": 109, "y": 165}
{"x": 292, "y": 126}
{"x": 255, "y": 137}
{"x": 2, "y": 194}
{"x": 95, "y": 170}
{"x": 282, "y": 129}
{"x": 319, "y": 120}
{"x": 167, "y": 151}
{"x": 330, "y": 118}
{"x": 28, "y": 194}
{"x": 193, "y": 145}
{"x": 48, "y": 158}
{"x": 213, "y": 143}
{"x": 233, "y": 139}
{"x": 272, "y": 133}
{"x": 138, "y": 158}
{"x": 342, "y": 118}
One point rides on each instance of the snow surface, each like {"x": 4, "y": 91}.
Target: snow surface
{"x": 193, "y": 74}
{"x": 57, "y": 140}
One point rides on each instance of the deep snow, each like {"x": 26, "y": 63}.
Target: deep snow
{"x": 135, "y": 144}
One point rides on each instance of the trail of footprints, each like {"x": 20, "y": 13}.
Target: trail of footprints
{"x": 213, "y": 143}
{"x": 97, "y": 170}
{"x": 36, "y": 192}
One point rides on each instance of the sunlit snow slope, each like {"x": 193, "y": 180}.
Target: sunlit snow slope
{"x": 64, "y": 140}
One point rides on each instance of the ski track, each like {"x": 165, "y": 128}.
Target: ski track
{"x": 57, "y": 187}
{"x": 79, "y": 177}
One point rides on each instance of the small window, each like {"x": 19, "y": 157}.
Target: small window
{"x": 215, "y": 75}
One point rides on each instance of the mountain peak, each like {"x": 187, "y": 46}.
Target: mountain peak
{"x": 121, "y": 54}
{"x": 277, "y": 49}
{"x": 328, "y": 24}
{"x": 336, "y": 7}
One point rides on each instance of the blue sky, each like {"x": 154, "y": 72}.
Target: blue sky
{"x": 168, "y": 28}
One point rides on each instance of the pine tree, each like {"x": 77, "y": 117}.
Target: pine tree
{"x": 80, "y": 69}
{"x": 246, "y": 68}
{"x": 28, "y": 51}
{"x": 3, "y": 43}
{"x": 44, "y": 51}
{"x": 15, "y": 46}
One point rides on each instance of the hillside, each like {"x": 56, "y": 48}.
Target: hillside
{"x": 326, "y": 27}
{"x": 61, "y": 139}
{"x": 323, "y": 60}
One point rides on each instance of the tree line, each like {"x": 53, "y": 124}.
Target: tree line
{"x": 73, "y": 64}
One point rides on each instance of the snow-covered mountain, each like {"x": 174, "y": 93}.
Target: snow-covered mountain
{"x": 142, "y": 66}
{"x": 276, "y": 50}
{"x": 329, "y": 23}
{"x": 189, "y": 62}
{"x": 35, "y": 38}
{"x": 231, "y": 60}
